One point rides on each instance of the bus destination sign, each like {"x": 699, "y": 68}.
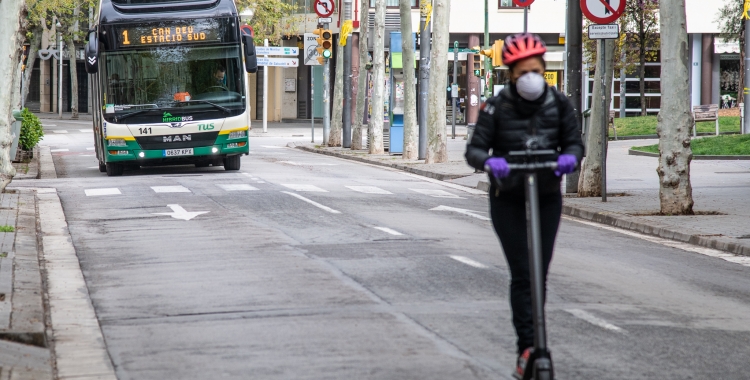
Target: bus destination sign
{"x": 186, "y": 33}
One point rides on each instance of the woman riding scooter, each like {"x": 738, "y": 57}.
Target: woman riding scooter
{"x": 526, "y": 114}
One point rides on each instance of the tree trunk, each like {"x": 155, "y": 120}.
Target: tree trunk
{"x": 364, "y": 16}
{"x": 437, "y": 139}
{"x": 34, "y": 46}
{"x": 590, "y": 180}
{"x": 375, "y": 129}
{"x": 337, "y": 116}
{"x": 741, "y": 83}
{"x": 642, "y": 78}
{"x": 675, "y": 119}
{"x": 73, "y": 79}
{"x": 411, "y": 128}
{"x": 12, "y": 30}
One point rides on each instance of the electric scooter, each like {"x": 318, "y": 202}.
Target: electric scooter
{"x": 539, "y": 366}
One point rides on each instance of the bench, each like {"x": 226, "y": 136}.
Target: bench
{"x": 708, "y": 112}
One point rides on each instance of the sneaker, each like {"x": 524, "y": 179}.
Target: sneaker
{"x": 521, "y": 363}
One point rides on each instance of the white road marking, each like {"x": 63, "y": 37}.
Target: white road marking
{"x": 594, "y": 320}
{"x": 468, "y": 261}
{"x": 108, "y": 191}
{"x": 59, "y": 150}
{"x": 312, "y": 202}
{"x": 742, "y": 260}
{"x": 247, "y": 174}
{"x": 460, "y": 211}
{"x": 237, "y": 187}
{"x": 272, "y": 147}
{"x": 170, "y": 189}
{"x": 306, "y": 163}
{"x": 260, "y": 182}
{"x": 307, "y": 188}
{"x": 180, "y": 213}
{"x": 59, "y": 131}
{"x": 389, "y": 231}
{"x": 86, "y": 130}
{"x": 435, "y": 193}
{"x": 86, "y": 155}
{"x": 454, "y": 186}
{"x": 369, "y": 189}
{"x": 49, "y": 125}
{"x": 90, "y": 148}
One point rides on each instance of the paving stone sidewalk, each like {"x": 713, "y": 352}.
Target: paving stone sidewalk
{"x": 721, "y": 192}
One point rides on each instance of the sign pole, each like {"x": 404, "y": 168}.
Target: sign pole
{"x": 312, "y": 104}
{"x": 605, "y": 118}
{"x": 525, "y": 19}
{"x": 454, "y": 92}
{"x": 326, "y": 97}
{"x": 265, "y": 93}
{"x": 346, "y": 142}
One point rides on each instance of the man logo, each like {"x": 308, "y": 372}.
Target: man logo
{"x": 176, "y": 125}
{"x": 177, "y": 138}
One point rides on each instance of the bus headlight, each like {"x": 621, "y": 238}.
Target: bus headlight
{"x": 237, "y": 134}
{"x": 141, "y": 155}
{"x": 214, "y": 150}
{"x": 117, "y": 142}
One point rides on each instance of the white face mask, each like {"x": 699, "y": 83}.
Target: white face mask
{"x": 531, "y": 86}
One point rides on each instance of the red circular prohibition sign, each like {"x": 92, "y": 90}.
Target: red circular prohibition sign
{"x": 523, "y": 3}
{"x": 614, "y": 14}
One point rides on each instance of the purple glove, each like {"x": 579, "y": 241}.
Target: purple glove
{"x": 497, "y": 166}
{"x": 566, "y": 163}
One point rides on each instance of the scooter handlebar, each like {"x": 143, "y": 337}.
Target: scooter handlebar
{"x": 552, "y": 165}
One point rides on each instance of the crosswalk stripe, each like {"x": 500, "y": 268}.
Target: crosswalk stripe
{"x": 170, "y": 189}
{"x": 435, "y": 193}
{"x": 59, "y": 150}
{"x": 312, "y": 202}
{"x": 60, "y": 131}
{"x": 369, "y": 189}
{"x": 236, "y": 187}
{"x": 86, "y": 130}
{"x": 97, "y": 192}
{"x": 306, "y": 188}
{"x": 89, "y": 148}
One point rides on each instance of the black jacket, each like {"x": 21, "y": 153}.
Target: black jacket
{"x": 507, "y": 121}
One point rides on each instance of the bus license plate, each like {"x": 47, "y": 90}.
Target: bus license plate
{"x": 178, "y": 152}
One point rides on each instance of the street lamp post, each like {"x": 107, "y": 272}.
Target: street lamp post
{"x": 60, "y": 71}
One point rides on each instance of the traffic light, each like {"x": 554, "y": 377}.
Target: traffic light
{"x": 325, "y": 43}
{"x": 495, "y": 52}
{"x": 478, "y": 65}
{"x": 24, "y": 57}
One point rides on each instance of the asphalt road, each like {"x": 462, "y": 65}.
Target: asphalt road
{"x": 312, "y": 267}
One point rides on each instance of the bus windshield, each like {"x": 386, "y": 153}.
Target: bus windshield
{"x": 206, "y": 82}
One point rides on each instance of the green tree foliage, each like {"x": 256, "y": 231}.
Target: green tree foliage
{"x": 272, "y": 19}
{"x": 31, "y": 130}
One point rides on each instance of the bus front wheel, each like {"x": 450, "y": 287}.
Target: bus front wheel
{"x": 102, "y": 168}
{"x": 232, "y": 162}
{"x": 114, "y": 170}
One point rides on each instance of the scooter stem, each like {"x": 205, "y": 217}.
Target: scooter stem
{"x": 534, "y": 237}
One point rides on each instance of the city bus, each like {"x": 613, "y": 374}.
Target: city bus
{"x": 169, "y": 83}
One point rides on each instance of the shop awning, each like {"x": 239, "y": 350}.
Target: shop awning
{"x": 722, "y": 46}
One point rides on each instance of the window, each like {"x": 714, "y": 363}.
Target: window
{"x": 394, "y": 3}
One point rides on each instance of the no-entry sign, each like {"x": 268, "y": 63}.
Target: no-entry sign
{"x": 324, "y": 8}
{"x": 602, "y": 11}
{"x": 523, "y": 3}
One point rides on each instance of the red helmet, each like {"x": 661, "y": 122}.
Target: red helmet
{"x": 522, "y": 45}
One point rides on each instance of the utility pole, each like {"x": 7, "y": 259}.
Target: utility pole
{"x": 347, "y": 112}
{"x": 746, "y": 119}
{"x": 265, "y": 92}
{"x": 605, "y": 114}
{"x": 487, "y": 63}
{"x": 454, "y": 86}
{"x": 60, "y": 76}
{"x": 326, "y": 97}
{"x": 574, "y": 77}
{"x": 425, "y": 6}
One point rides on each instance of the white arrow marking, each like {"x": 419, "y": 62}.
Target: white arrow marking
{"x": 180, "y": 213}
{"x": 468, "y": 261}
{"x": 460, "y": 211}
{"x": 596, "y": 321}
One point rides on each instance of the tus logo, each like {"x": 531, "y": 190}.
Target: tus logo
{"x": 168, "y": 118}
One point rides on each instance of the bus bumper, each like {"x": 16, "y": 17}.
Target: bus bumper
{"x": 201, "y": 153}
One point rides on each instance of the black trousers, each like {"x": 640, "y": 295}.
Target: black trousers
{"x": 508, "y": 213}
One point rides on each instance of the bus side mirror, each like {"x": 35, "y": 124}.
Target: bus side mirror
{"x": 92, "y": 53}
{"x": 251, "y": 59}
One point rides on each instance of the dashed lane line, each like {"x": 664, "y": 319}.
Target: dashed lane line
{"x": 468, "y": 261}
{"x": 389, "y": 231}
{"x": 236, "y": 187}
{"x": 59, "y": 131}
{"x": 742, "y": 260}
{"x": 470, "y": 213}
{"x": 312, "y": 202}
{"x": 98, "y": 192}
{"x": 305, "y": 188}
{"x": 368, "y": 189}
{"x": 594, "y": 320}
{"x": 59, "y": 150}
{"x": 436, "y": 193}
{"x": 170, "y": 189}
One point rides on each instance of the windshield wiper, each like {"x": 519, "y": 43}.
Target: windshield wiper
{"x": 127, "y": 115}
{"x": 218, "y": 107}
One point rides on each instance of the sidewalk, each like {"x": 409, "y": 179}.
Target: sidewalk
{"x": 721, "y": 189}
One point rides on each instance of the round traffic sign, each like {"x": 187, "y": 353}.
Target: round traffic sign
{"x": 324, "y": 8}
{"x": 523, "y": 3}
{"x": 602, "y": 11}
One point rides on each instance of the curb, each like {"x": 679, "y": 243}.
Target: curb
{"x": 424, "y": 173}
{"x": 46, "y": 165}
{"x": 720, "y": 158}
{"x": 653, "y": 137}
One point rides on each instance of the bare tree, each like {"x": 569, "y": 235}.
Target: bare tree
{"x": 437, "y": 139}
{"x": 34, "y": 46}
{"x": 590, "y": 180}
{"x": 364, "y": 19}
{"x": 410, "y": 92}
{"x": 375, "y": 129}
{"x": 675, "y": 118}
{"x": 337, "y": 118}
{"x": 12, "y": 18}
